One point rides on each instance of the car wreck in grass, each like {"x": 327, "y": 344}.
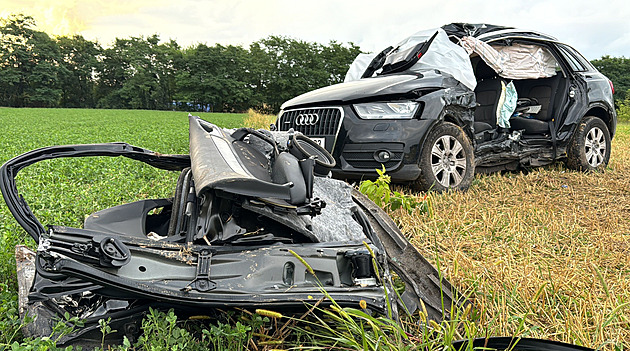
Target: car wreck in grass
{"x": 253, "y": 222}
{"x": 448, "y": 102}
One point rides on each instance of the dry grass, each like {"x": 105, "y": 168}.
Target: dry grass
{"x": 258, "y": 120}
{"x": 551, "y": 246}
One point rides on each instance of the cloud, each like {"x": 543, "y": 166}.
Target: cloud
{"x": 65, "y": 17}
{"x": 591, "y": 27}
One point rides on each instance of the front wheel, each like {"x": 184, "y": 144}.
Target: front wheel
{"x": 589, "y": 149}
{"x": 447, "y": 160}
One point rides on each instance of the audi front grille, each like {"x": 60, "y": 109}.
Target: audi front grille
{"x": 323, "y": 121}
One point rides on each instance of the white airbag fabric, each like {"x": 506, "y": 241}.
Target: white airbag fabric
{"x": 442, "y": 55}
{"x": 517, "y": 61}
{"x": 508, "y": 100}
{"x": 358, "y": 66}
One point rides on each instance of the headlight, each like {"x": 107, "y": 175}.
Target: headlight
{"x": 387, "y": 110}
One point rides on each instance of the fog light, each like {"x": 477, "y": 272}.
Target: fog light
{"x": 383, "y": 156}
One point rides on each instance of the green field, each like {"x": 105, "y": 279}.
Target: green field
{"x": 542, "y": 254}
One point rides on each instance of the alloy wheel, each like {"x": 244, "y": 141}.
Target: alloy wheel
{"x": 448, "y": 161}
{"x": 595, "y": 147}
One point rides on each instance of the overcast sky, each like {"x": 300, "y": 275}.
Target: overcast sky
{"x": 594, "y": 27}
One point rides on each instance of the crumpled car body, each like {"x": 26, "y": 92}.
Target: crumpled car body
{"x": 445, "y": 103}
{"x": 253, "y": 223}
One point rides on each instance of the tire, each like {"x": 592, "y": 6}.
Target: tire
{"x": 589, "y": 150}
{"x": 447, "y": 160}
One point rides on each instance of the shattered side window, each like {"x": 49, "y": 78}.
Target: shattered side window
{"x": 336, "y": 222}
{"x": 574, "y": 63}
{"x": 574, "y": 58}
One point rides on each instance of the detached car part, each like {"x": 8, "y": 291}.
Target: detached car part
{"x": 516, "y": 344}
{"x": 249, "y": 206}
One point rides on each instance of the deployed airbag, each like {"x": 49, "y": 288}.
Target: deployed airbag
{"x": 516, "y": 61}
{"x": 508, "y": 100}
{"x": 442, "y": 55}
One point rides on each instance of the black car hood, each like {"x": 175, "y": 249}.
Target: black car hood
{"x": 371, "y": 88}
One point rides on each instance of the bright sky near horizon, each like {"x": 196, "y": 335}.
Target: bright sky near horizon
{"x": 595, "y": 28}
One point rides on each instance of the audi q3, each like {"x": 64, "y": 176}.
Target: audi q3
{"x": 445, "y": 103}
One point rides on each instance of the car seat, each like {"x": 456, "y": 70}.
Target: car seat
{"x": 544, "y": 91}
{"x": 487, "y": 93}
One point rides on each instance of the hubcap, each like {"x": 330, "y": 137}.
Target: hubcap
{"x": 448, "y": 161}
{"x": 595, "y": 147}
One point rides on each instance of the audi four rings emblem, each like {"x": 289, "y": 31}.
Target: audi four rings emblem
{"x": 306, "y": 119}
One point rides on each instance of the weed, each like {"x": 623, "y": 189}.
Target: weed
{"x": 380, "y": 192}
{"x": 353, "y": 328}
{"x": 227, "y": 337}
{"x": 59, "y": 330}
{"x": 105, "y": 330}
{"x": 10, "y": 323}
{"x": 161, "y": 332}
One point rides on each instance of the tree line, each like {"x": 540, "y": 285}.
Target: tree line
{"x": 37, "y": 70}
{"x": 617, "y": 69}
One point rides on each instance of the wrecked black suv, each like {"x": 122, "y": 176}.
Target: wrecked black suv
{"x": 465, "y": 98}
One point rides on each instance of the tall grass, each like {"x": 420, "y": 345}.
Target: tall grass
{"x": 258, "y": 120}
{"x": 545, "y": 250}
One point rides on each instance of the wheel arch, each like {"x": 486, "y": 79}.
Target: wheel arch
{"x": 452, "y": 119}
{"x": 601, "y": 112}
{"x": 460, "y": 123}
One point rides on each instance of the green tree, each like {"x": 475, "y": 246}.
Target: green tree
{"x": 80, "y": 58}
{"x": 29, "y": 65}
{"x": 337, "y": 59}
{"x": 138, "y": 73}
{"x": 112, "y": 74}
{"x": 217, "y": 78}
{"x": 617, "y": 69}
{"x": 289, "y": 67}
